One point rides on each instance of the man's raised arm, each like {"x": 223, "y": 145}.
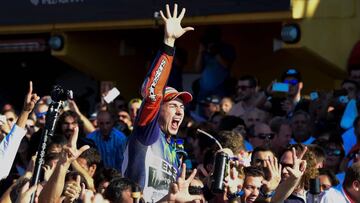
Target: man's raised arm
{"x": 155, "y": 82}
{"x": 10, "y": 144}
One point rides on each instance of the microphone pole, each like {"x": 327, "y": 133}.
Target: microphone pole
{"x": 58, "y": 95}
{"x": 52, "y": 116}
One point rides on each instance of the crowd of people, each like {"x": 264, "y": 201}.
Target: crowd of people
{"x": 276, "y": 144}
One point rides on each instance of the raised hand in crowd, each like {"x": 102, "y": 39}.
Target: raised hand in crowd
{"x": 287, "y": 187}
{"x": 53, "y": 189}
{"x": 173, "y": 29}
{"x": 72, "y": 190}
{"x": 48, "y": 171}
{"x": 29, "y": 103}
{"x": 25, "y": 193}
{"x": 179, "y": 191}
{"x": 88, "y": 126}
{"x": 70, "y": 152}
{"x": 4, "y": 128}
{"x": 299, "y": 166}
{"x": 273, "y": 176}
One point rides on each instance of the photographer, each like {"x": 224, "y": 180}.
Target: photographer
{"x": 286, "y": 96}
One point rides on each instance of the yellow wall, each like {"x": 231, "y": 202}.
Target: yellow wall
{"x": 329, "y": 27}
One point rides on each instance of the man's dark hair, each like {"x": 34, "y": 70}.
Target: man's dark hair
{"x": 72, "y": 175}
{"x": 92, "y": 156}
{"x": 298, "y": 148}
{"x": 253, "y": 82}
{"x": 230, "y": 122}
{"x": 58, "y": 139}
{"x": 254, "y": 171}
{"x": 77, "y": 119}
{"x": 114, "y": 191}
{"x": 260, "y": 149}
{"x": 105, "y": 174}
{"x": 352, "y": 174}
{"x": 330, "y": 174}
{"x": 50, "y": 157}
{"x": 301, "y": 112}
{"x": 352, "y": 82}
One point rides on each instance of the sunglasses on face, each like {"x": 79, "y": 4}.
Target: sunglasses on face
{"x": 264, "y": 136}
{"x": 196, "y": 190}
{"x": 291, "y": 82}
{"x": 333, "y": 152}
{"x": 30, "y": 126}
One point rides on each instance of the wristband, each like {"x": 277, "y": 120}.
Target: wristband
{"x": 267, "y": 195}
{"x": 235, "y": 195}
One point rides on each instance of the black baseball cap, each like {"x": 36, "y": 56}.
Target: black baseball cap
{"x": 291, "y": 72}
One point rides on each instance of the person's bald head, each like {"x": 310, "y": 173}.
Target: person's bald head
{"x": 105, "y": 122}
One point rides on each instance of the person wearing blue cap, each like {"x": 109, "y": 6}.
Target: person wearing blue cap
{"x": 292, "y": 100}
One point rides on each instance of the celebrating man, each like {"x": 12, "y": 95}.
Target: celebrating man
{"x": 150, "y": 157}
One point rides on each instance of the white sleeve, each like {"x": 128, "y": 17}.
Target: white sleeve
{"x": 8, "y": 148}
{"x": 333, "y": 196}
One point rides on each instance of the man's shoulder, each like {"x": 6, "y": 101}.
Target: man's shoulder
{"x": 333, "y": 195}
{"x": 118, "y": 133}
{"x": 92, "y": 135}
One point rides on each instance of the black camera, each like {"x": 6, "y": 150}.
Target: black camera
{"x": 60, "y": 94}
{"x": 220, "y": 172}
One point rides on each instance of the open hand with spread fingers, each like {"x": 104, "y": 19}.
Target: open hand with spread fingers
{"x": 274, "y": 175}
{"x": 173, "y": 28}
{"x": 299, "y": 166}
